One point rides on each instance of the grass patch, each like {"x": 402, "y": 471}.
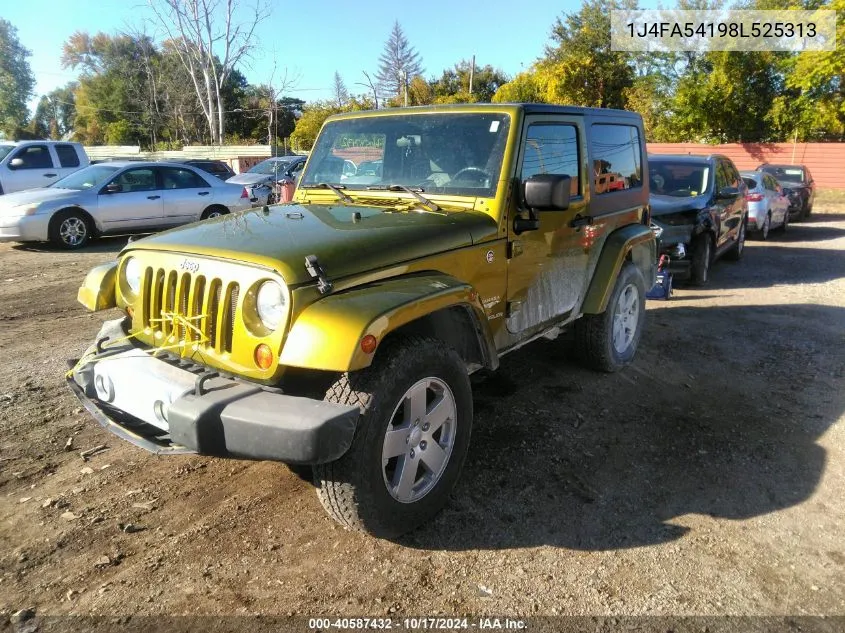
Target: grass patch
{"x": 830, "y": 196}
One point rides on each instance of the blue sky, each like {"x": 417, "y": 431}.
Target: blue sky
{"x": 315, "y": 38}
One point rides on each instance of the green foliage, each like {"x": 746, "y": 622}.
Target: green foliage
{"x": 315, "y": 114}
{"x": 16, "y": 80}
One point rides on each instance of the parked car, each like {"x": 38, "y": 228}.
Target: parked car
{"x": 699, "y": 203}
{"x": 116, "y": 197}
{"x": 798, "y": 185}
{"x": 214, "y": 167}
{"x": 340, "y": 331}
{"x": 35, "y": 164}
{"x": 261, "y": 180}
{"x": 768, "y": 207}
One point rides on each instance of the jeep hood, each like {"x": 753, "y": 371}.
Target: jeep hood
{"x": 346, "y": 239}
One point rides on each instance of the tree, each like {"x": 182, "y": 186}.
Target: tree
{"x": 341, "y": 94}
{"x": 209, "y": 50}
{"x": 398, "y": 63}
{"x": 16, "y": 80}
{"x": 453, "y": 85}
{"x": 55, "y": 113}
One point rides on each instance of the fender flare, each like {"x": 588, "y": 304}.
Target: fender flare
{"x": 97, "y": 291}
{"x": 634, "y": 242}
{"x": 327, "y": 334}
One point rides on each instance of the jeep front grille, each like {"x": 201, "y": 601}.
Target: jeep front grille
{"x": 186, "y": 310}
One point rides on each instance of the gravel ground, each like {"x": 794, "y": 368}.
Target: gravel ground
{"x": 707, "y": 479}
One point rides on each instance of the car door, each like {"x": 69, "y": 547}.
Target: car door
{"x": 185, "y": 195}
{"x": 724, "y": 206}
{"x": 779, "y": 204}
{"x": 66, "y": 158}
{"x": 547, "y": 266}
{"x": 35, "y": 168}
{"x": 130, "y": 201}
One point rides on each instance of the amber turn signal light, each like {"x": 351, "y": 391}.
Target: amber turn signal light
{"x": 263, "y": 356}
{"x": 368, "y": 344}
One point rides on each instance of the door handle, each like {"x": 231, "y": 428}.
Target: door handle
{"x": 50, "y": 175}
{"x": 203, "y": 193}
{"x": 153, "y": 197}
{"x": 579, "y": 221}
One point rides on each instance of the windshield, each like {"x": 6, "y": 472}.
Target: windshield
{"x": 270, "y": 167}
{"x": 681, "y": 179}
{"x": 451, "y": 153}
{"x": 787, "y": 174}
{"x": 4, "y": 150}
{"x": 85, "y": 178}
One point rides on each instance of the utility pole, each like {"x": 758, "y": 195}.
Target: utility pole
{"x": 405, "y": 85}
{"x": 471, "y": 73}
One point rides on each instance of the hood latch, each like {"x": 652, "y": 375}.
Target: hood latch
{"x": 312, "y": 265}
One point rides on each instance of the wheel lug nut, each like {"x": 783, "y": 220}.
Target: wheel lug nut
{"x": 426, "y": 426}
{"x": 422, "y": 445}
{"x": 412, "y": 453}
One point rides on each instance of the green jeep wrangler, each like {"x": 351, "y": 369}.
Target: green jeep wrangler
{"x": 340, "y": 330}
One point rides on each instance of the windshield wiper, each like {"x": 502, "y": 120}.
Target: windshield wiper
{"x": 431, "y": 206}
{"x": 336, "y": 188}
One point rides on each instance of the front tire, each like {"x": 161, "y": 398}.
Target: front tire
{"x": 411, "y": 440}
{"x": 701, "y": 260}
{"x": 70, "y": 230}
{"x": 608, "y": 341}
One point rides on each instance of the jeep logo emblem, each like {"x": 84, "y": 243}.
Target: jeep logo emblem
{"x": 190, "y": 266}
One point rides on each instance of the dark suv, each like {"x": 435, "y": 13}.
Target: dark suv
{"x": 214, "y": 167}
{"x": 698, "y": 205}
{"x": 798, "y": 186}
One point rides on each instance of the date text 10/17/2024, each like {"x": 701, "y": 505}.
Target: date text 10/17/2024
{"x": 483, "y": 624}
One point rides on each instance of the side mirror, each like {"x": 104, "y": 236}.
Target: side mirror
{"x": 547, "y": 192}
{"x": 15, "y": 163}
{"x": 113, "y": 187}
{"x": 728, "y": 193}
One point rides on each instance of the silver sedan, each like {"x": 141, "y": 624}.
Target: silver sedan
{"x": 116, "y": 197}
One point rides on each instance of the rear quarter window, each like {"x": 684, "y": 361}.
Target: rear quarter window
{"x": 616, "y": 158}
{"x": 67, "y": 155}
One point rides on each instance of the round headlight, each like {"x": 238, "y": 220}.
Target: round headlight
{"x": 270, "y": 304}
{"x": 132, "y": 272}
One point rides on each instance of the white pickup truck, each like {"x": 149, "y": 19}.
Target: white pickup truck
{"x": 34, "y": 164}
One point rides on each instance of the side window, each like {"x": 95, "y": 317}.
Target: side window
{"x": 722, "y": 178}
{"x": 34, "y": 157}
{"x": 617, "y": 157}
{"x": 175, "y": 178}
{"x": 67, "y": 156}
{"x": 735, "y": 179}
{"x": 141, "y": 179}
{"x": 298, "y": 167}
{"x": 770, "y": 183}
{"x": 552, "y": 148}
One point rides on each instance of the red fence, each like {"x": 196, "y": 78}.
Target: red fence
{"x": 826, "y": 161}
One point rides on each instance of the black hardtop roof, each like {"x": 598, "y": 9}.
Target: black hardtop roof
{"x": 689, "y": 158}
{"x": 527, "y": 108}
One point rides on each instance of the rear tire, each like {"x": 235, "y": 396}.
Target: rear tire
{"x": 737, "y": 250}
{"x": 702, "y": 257}
{"x": 214, "y": 212}
{"x": 70, "y": 229}
{"x": 608, "y": 341}
{"x": 416, "y": 390}
{"x": 763, "y": 233}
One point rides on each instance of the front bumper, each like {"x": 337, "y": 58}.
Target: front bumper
{"x": 157, "y": 409}
{"x": 24, "y": 228}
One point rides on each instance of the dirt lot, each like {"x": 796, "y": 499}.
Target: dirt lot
{"x": 709, "y": 478}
